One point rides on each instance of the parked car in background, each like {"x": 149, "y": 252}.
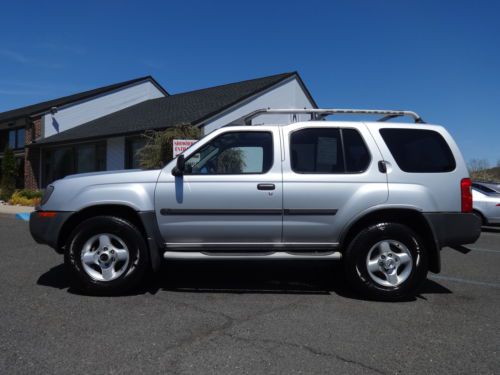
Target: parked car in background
{"x": 486, "y": 187}
{"x": 486, "y": 202}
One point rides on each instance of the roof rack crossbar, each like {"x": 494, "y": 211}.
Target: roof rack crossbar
{"x": 319, "y": 114}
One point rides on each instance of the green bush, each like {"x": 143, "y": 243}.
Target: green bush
{"x": 26, "y": 197}
{"x": 158, "y": 150}
{"x": 30, "y": 194}
{"x": 8, "y": 183}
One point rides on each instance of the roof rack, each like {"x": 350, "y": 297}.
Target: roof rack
{"x": 320, "y": 114}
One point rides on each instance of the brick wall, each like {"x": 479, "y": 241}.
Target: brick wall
{"x": 32, "y": 155}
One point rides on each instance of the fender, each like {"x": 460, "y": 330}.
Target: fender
{"x": 408, "y": 214}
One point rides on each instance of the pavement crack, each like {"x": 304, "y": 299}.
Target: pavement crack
{"x": 230, "y": 322}
{"x": 308, "y": 349}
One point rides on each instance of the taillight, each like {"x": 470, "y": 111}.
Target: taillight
{"x": 466, "y": 193}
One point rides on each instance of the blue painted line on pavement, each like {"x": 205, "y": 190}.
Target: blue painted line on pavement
{"x": 25, "y": 216}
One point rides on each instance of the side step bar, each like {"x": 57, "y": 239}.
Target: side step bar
{"x": 277, "y": 255}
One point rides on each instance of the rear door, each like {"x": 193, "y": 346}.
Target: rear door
{"x": 330, "y": 176}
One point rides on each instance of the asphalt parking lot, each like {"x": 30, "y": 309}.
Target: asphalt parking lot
{"x": 236, "y": 318}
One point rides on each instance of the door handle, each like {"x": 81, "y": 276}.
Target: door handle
{"x": 266, "y": 187}
{"x": 382, "y": 166}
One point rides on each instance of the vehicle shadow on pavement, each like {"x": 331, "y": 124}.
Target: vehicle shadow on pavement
{"x": 278, "y": 277}
{"x": 490, "y": 229}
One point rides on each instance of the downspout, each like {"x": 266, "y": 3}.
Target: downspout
{"x": 40, "y": 168}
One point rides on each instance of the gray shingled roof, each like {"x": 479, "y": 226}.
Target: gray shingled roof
{"x": 47, "y": 105}
{"x": 190, "y": 107}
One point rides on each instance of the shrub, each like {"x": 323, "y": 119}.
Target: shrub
{"x": 158, "y": 150}
{"x": 31, "y": 194}
{"x": 26, "y": 197}
{"x": 8, "y": 183}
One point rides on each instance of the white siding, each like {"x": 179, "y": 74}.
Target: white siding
{"x": 81, "y": 112}
{"x": 115, "y": 158}
{"x": 287, "y": 95}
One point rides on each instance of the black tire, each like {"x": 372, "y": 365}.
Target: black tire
{"x": 132, "y": 273}
{"x": 355, "y": 261}
{"x": 481, "y": 217}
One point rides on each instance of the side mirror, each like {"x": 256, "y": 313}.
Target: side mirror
{"x": 180, "y": 167}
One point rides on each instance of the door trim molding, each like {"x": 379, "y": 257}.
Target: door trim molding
{"x": 251, "y": 211}
{"x": 307, "y": 211}
{"x": 209, "y": 211}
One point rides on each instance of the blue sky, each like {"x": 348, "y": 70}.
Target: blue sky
{"x": 439, "y": 58}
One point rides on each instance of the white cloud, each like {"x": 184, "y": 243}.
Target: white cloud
{"x": 76, "y": 50}
{"x": 22, "y": 59}
{"x": 19, "y": 92}
{"x": 13, "y": 56}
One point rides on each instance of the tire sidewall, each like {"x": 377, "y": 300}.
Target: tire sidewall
{"x": 128, "y": 233}
{"x": 481, "y": 217}
{"x": 357, "y": 254}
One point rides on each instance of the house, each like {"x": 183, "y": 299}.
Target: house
{"x": 101, "y": 129}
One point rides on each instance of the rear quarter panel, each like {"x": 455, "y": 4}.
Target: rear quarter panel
{"x": 428, "y": 192}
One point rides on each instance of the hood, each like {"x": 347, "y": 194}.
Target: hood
{"x": 133, "y": 188}
{"x": 111, "y": 177}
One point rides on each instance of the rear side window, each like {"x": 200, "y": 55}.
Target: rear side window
{"x": 419, "y": 151}
{"x": 357, "y": 156}
{"x": 328, "y": 150}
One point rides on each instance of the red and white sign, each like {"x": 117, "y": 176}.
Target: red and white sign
{"x": 180, "y": 145}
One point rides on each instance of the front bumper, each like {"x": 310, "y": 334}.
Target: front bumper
{"x": 454, "y": 228}
{"x": 45, "y": 226}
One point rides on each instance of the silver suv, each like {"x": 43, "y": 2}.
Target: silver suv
{"x": 383, "y": 198}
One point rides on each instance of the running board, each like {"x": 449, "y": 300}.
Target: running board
{"x": 258, "y": 247}
{"x": 277, "y": 255}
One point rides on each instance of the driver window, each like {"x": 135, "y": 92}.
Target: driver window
{"x": 233, "y": 153}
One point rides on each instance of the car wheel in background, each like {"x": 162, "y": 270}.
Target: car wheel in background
{"x": 480, "y": 216}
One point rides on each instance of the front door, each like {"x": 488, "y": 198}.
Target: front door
{"x": 230, "y": 194}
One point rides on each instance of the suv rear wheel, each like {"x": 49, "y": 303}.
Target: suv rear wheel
{"x": 106, "y": 255}
{"x": 386, "y": 261}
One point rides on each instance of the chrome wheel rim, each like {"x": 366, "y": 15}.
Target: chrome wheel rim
{"x": 389, "y": 263}
{"x": 105, "y": 257}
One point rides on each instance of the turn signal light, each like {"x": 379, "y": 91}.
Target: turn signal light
{"x": 466, "y": 193}
{"x": 47, "y": 214}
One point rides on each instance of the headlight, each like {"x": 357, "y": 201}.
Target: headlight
{"x": 47, "y": 194}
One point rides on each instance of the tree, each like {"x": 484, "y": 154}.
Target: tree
{"x": 476, "y": 165}
{"x": 158, "y": 150}
{"x": 479, "y": 170}
{"x": 8, "y": 184}
{"x": 231, "y": 161}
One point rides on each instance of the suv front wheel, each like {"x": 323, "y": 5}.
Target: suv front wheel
{"x": 106, "y": 255}
{"x": 386, "y": 261}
